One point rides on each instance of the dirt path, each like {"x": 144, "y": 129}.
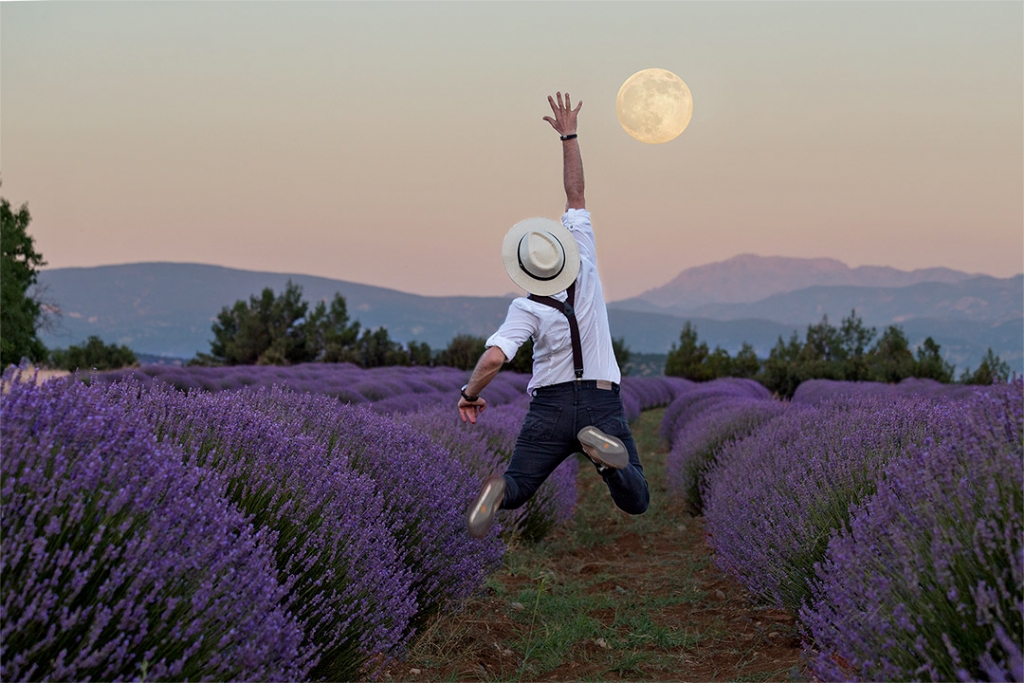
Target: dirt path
{"x": 611, "y": 597}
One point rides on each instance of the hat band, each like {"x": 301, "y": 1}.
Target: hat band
{"x": 541, "y": 278}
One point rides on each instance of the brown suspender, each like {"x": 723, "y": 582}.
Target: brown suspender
{"x": 567, "y": 309}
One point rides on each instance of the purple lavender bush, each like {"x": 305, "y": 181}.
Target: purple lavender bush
{"x": 927, "y": 581}
{"x": 442, "y": 388}
{"x": 119, "y": 561}
{"x": 334, "y": 542}
{"x": 815, "y": 391}
{"x": 425, "y": 491}
{"x": 692, "y": 398}
{"x": 695, "y": 450}
{"x": 776, "y": 496}
{"x": 405, "y": 403}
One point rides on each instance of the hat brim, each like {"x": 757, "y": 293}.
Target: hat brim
{"x": 510, "y": 256}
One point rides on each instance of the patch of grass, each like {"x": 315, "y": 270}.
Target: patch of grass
{"x": 629, "y": 664}
{"x": 639, "y": 630}
{"x": 559, "y": 618}
{"x": 518, "y": 560}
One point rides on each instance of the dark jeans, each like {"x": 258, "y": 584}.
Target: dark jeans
{"x": 548, "y": 436}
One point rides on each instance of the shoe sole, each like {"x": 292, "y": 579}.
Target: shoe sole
{"x": 603, "y": 449}
{"x": 481, "y": 512}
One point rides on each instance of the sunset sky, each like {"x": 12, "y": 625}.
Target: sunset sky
{"x": 394, "y": 143}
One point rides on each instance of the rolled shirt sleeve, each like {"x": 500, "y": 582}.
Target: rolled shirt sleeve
{"x": 520, "y": 324}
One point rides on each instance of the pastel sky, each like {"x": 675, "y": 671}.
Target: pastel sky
{"x": 394, "y": 143}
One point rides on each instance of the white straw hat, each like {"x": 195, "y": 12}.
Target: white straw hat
{"x": 541, "y": 256}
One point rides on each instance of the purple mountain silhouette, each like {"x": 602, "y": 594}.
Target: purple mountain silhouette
{"x": 747, "y": 278}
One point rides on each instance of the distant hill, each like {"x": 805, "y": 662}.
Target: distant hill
{"x": 167, "y": 309}
{"x": 982, "y": 299}
{"x": 747, "y": 278}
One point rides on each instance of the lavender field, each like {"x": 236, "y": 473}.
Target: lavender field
{"x": 886, "y": 518}
{"x": 255, "y": 523}
{"x": 304, "y": 522}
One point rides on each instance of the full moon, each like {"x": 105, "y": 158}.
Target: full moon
{"x": 654, "y": 106}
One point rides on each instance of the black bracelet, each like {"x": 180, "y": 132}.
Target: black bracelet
{"x": 570, "y": 136}
{"x": 471, "y": 399}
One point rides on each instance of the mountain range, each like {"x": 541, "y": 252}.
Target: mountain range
{"x": 167, "y": 309}
{"x": 748, "y": 278}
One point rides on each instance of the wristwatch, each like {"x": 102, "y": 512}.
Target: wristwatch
{"x": 466, "y": 396}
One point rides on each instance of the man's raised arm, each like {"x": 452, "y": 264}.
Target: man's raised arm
{"x": 564, "y": 122}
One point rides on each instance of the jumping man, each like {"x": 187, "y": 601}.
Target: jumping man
{"x": 574, "y": 388}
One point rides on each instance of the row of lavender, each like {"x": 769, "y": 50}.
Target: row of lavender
{"x": 388, "y": 390}
{"x": 256, "y": 533}
{"x": 887, "y": 518}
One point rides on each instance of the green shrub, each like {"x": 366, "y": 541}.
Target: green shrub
{"x": 93, "y": 355}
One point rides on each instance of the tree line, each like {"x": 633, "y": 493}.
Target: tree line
{"x": 284, "y": 329}
{"x": 849, "y": 352}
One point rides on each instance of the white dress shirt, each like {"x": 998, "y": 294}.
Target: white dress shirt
{"x": 552, "y": 343}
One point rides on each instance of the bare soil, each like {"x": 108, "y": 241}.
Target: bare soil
{"x": 611, "y": 597}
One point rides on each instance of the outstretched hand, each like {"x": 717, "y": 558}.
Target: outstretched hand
{"x": 564, "y": 120}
